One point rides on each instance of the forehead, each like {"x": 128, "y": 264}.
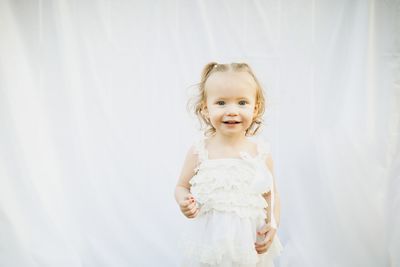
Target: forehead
{"x": 230, "y": 84}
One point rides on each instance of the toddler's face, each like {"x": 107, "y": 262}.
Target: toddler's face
{"x": 231, "y": 98}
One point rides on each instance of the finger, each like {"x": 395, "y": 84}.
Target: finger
{"x": 186, "y": 203}
{"x": 261, "y": 248}
{"x": 193, "y": 210}
{"x": 184, "y": 208}
{"x": 264, "y": 229}
{"x": 193, "y": 213}
{"x": 261, "y": 251}
{"x": 264, "y": 242}
{"x": 196, "y": 212}
{"x": 188, "y": 213}
{"x": 189, "y": 197}
{"x": 270, "y": 236}
{"x": 265, "y": 245}
{"x": 190, "y": 207}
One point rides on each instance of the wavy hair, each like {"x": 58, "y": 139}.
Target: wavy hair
{"x": 198, "y": 103}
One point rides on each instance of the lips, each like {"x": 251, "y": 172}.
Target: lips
{"x": 231, "y": 122}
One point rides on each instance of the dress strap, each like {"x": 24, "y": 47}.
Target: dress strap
{"x": 200, "y": 149}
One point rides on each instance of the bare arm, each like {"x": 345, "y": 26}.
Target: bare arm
{"x": 267, "y": 196}
{"x": 183, "y": 197}
{"x": 268, "y": 231}
{"x": 277, "y": 207}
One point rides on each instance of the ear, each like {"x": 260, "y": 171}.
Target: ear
{"x": 255, "y": 110}
{"x": 204, "y": 110}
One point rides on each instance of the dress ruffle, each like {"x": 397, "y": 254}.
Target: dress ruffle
{"x": 232, "y": 210}
{"x": 229, "y": 242}
{"x": 231, "y": 186}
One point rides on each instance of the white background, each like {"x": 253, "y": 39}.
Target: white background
{"x": 94, "y": 126}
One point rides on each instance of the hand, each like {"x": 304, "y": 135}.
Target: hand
{"x": 269, "y": 233}
{"x": 188, "y": 206}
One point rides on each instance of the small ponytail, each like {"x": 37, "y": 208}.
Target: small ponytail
{"x": 207, "y": 70}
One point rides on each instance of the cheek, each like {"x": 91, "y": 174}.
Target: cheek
{"x": 215, "y": 111}
{"x": 250, "y": 111}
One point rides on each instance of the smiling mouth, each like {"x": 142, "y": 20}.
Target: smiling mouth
{"x": 231, "y": 122}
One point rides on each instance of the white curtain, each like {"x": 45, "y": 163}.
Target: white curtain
{"x": 94, "y": 126}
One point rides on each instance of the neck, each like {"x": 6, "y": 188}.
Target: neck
{"x": 229, "y": 140}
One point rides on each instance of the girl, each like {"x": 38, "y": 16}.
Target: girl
{"x": 226, "y": 185}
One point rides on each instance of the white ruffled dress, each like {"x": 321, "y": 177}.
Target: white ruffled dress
{"x": 232, "y": 209}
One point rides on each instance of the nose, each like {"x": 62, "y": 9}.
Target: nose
{"x": 232, "y": 110}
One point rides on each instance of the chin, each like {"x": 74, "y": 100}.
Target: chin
{"x": 231, "y": 133}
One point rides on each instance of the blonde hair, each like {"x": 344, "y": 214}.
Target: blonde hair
{"x": 198, "y": 103}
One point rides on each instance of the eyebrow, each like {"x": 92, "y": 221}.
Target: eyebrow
{"x": 239, "y": 98}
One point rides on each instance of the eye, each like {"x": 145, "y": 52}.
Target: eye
{"x": 242, "y": 102}
{"x": 220, "y": 103}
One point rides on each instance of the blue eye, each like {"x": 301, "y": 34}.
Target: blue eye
{"x": 242, "y": 102}
{"x": 220, "y": 103}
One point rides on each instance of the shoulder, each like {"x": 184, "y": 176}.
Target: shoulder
{"x": 197, "y": 152}
{"x": 262, "y": 146}
{"x": 270, "y": 163}
{"x": 264, "y": 150}
{"x": 189, "y": 167}
{"x": 190, "y": 163}
{"x": 192, "y": 155}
